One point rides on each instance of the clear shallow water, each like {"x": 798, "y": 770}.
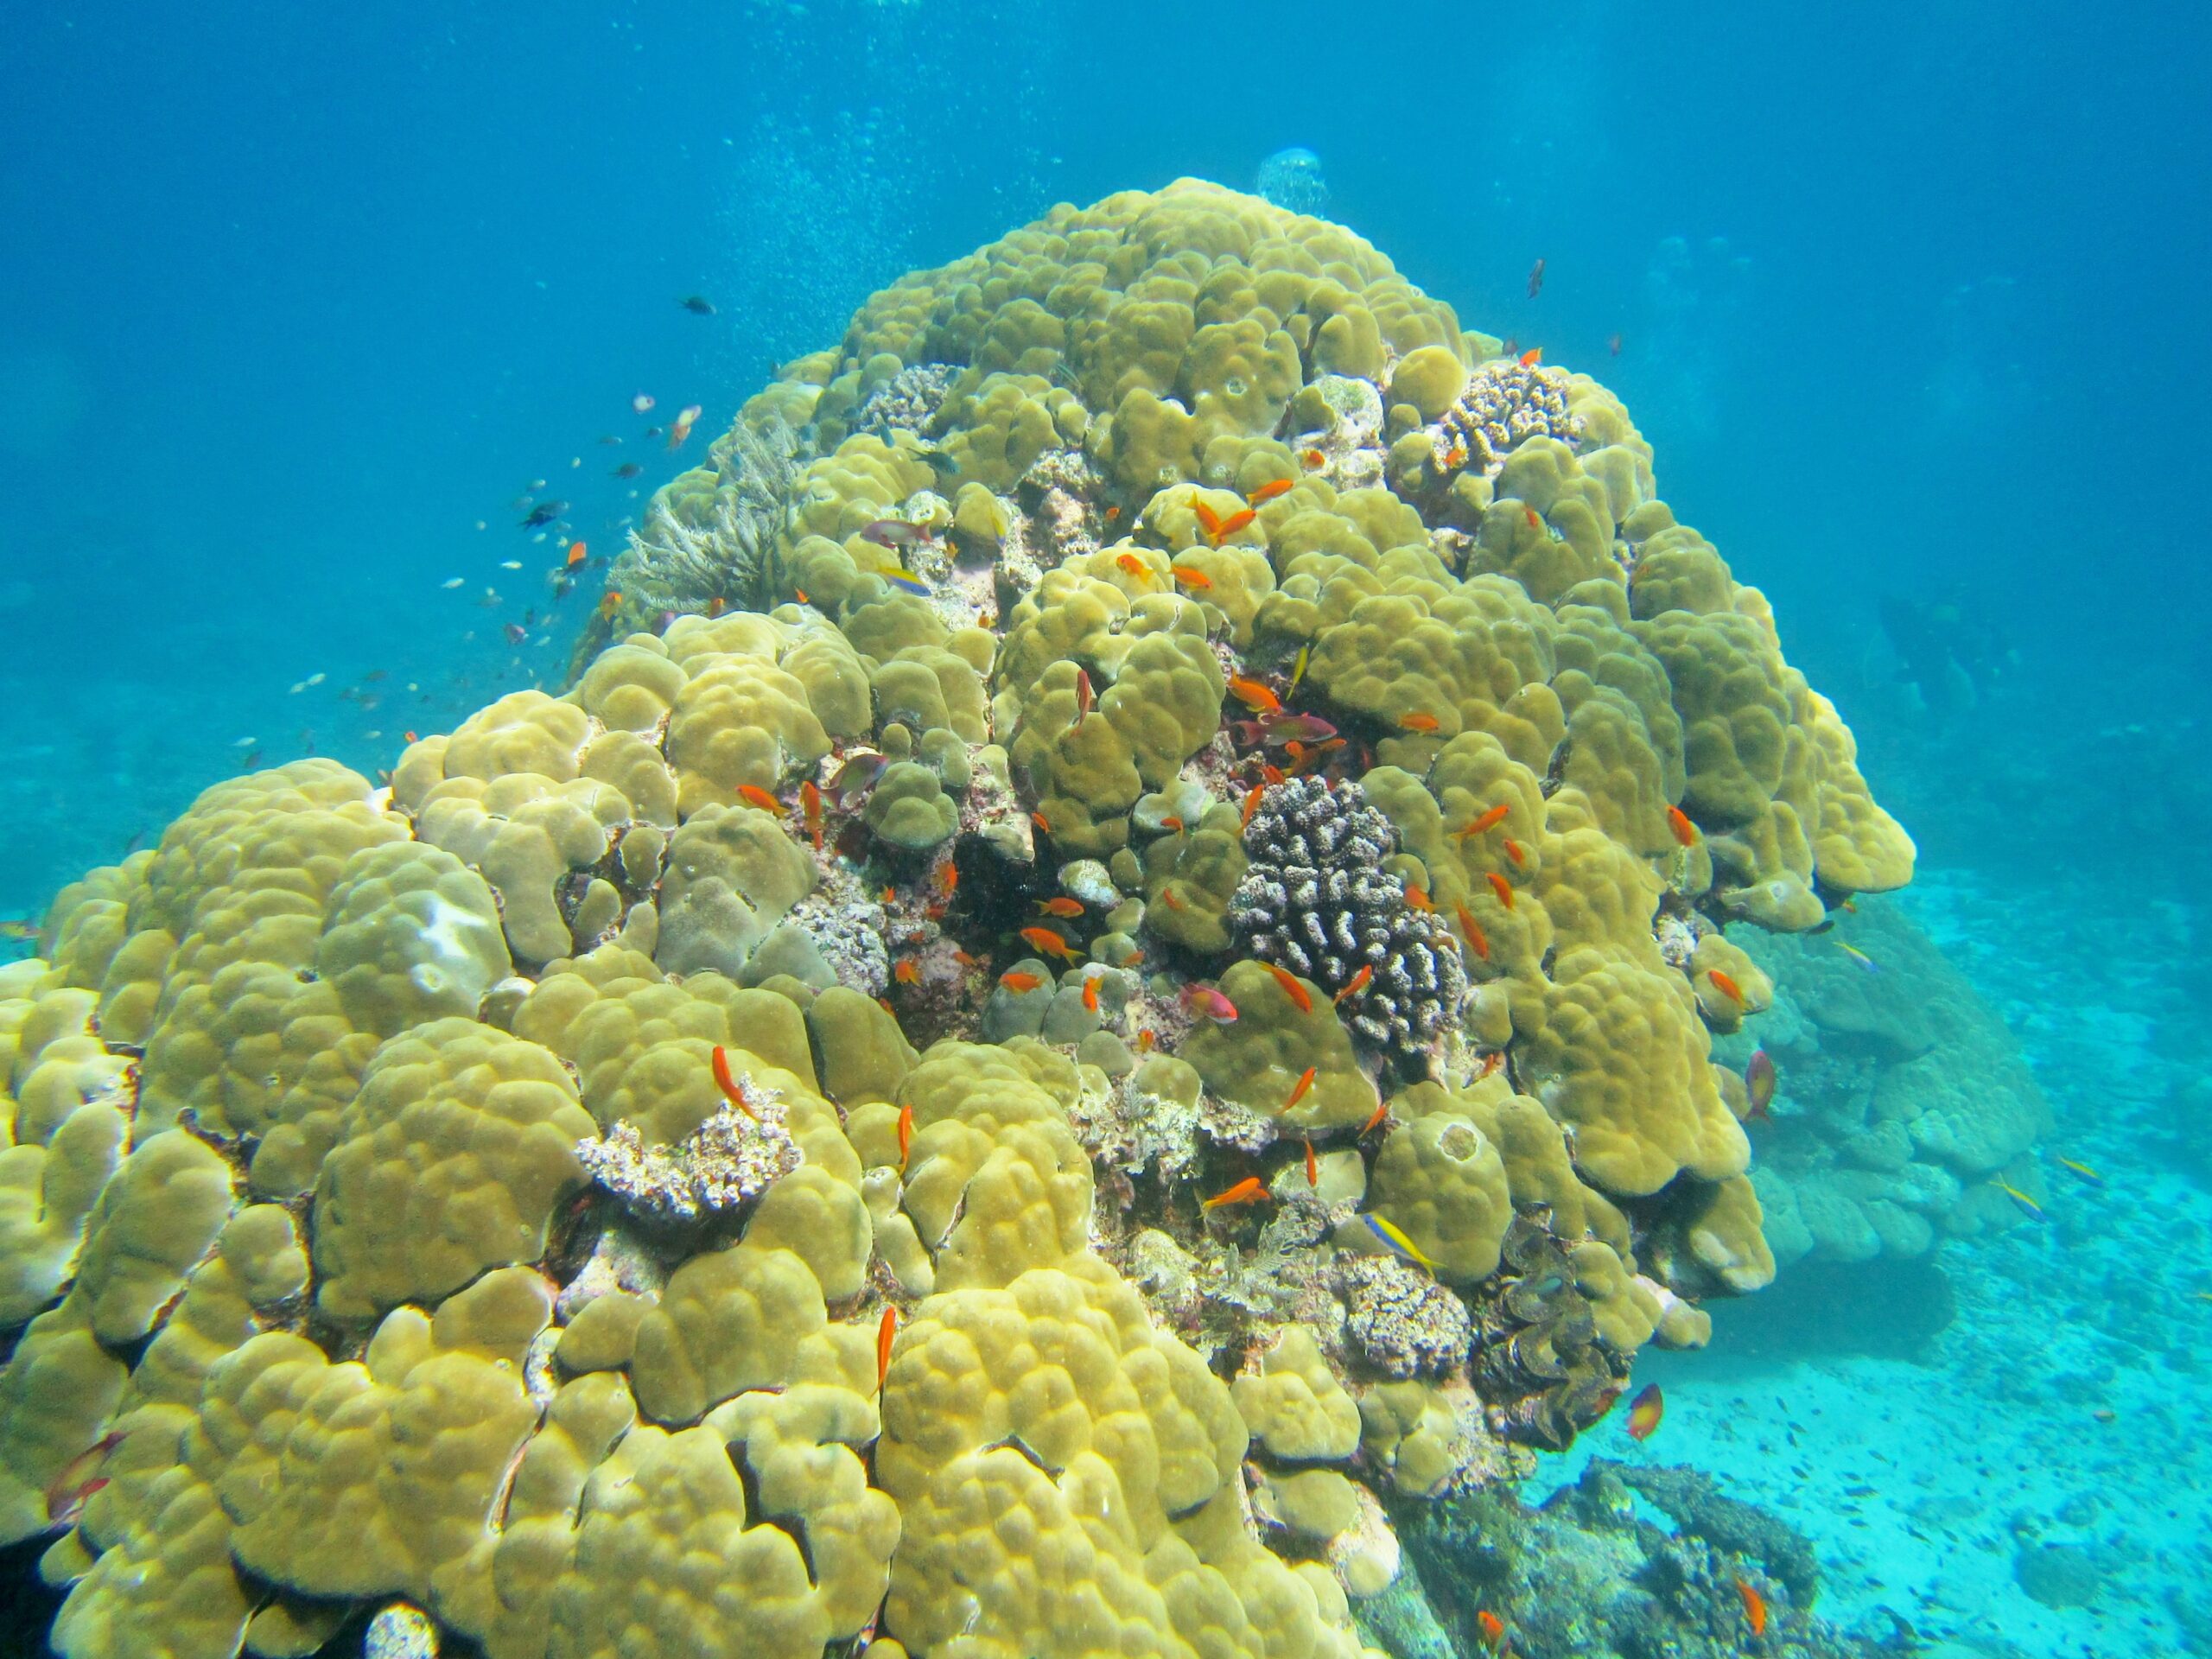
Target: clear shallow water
{"x": 1907, "y": 303}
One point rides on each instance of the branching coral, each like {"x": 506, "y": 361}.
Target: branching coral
{"x": 1317, "y": 900}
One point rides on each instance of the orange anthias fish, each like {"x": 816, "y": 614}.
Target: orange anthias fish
{"x": 1313, "y": 1168}
{"x": 1291, "y": 986}
{"x": 1760, "y": 1080}
{"x": 1250, "y": 1190}
{"x": 1491, "y": 1061}
{"x": 1513, "y": 851}
{"x": 577, "y": 554}
{"x": 1041, "y": 822}
{"x": 1017, "y": 982}
{"x": 1382, "y": 1110}
{"x": 1645, "y": 1413}
{"x": 1535, "y": 523}
{"x": 1060, "y": 906}
{"x": 1491, "y": 1626}
{"x": 1135, "y": 568}
{"x": 1417, "y": 896}
{"x": 1358, "y": 982}
{"x": 715, "y": 606}
{"x": 1754, "y": 1608}
{"x": 1726, "y": 986}
{"x": 754, "y": 795}
{"x": 1082, "y": 694}
{"x": 1197, "y": 581}
{"x": 1252, "y": 803}
{"x": 1253, "y": 695}
{"x": 1268, "y": 491}
{"x": 1206, "y": 1000}
{"x": 885, "y": 1333}
{"x": 66, "y": 1493}
{"x": 1209, "y": 520}
{"x": 1090, "y": 994}
{"x": 1419, "y": 720}
{"x": 733, "y": 1090}
{"x": 609, "y": 604}
{"x": 1679, "y": 821}
{"x": 907, "y": 971}
{"x": 906, "y": 1134}
{"x": 1299, "y": 1089}
{"x": 1501, "y": 887}
{"x": 1234, "y": 522}
{"x": 1489, "y": 820}
{"x": 1313, "y": 458}
{"x": 1473, "y": 930}
{"x": 809, "y": 802}
{"x": 1043, "y": 939}
{"x": 1533, "y": 356}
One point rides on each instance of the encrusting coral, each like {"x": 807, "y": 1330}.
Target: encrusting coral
{"x": 1162, "y": 644}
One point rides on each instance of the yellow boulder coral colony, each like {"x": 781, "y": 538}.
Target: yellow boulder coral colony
{"x": 317, "y": 1304}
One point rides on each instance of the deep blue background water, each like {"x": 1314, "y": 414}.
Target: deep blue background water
{"x": 1910, "y": 300}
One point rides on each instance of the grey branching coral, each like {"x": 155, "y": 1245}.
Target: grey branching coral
{"x": 1316, "y": 899}
{"x": 1506, "y": 402}
{"x": 908, "y": 401}
{"x": 728, "y": 1162}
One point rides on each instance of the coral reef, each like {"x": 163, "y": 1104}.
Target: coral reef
{"x": 1902, "y": 1100}
{"x": 1588, "y": 1576}
{"x": 891, "y": 1084}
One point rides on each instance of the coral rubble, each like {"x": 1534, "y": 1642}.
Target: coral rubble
{"x": 892, "y": 1083}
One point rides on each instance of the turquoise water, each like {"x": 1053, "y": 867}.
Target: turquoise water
{"x": 296, "y": 306}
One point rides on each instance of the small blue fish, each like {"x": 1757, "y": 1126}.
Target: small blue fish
{"x": 2028, "y": 1206}
{"x": 1395, "y": 1237}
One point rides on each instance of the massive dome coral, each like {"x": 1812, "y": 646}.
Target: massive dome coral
{"x": 489, "y": 1188}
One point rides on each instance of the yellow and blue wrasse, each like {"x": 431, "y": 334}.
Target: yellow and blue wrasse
{"x": 1395, "y": 1237}
{"x": 2201, "y": 1295}
{"x": 1298, "y": 669}
{"x": 18, "y": 929}
{"x": 905, "y": 583}
{"x": 2083, "y": 1171}
{"x": 1860, "y": 957}
{"x": 2029, "y": 1207}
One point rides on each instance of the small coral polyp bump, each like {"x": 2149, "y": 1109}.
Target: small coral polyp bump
{"x": 378, "y": 1235}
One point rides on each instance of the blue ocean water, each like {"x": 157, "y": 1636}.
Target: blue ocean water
{"x": 296, "y": 305}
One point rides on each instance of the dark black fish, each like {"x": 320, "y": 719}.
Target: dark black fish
{"x": 544, "y": 514}
{"x": 517, "y": 634}
{"x": 698, "y": 304}
{"x": 629, "y": 469}
{"x": 609, "y": 439}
